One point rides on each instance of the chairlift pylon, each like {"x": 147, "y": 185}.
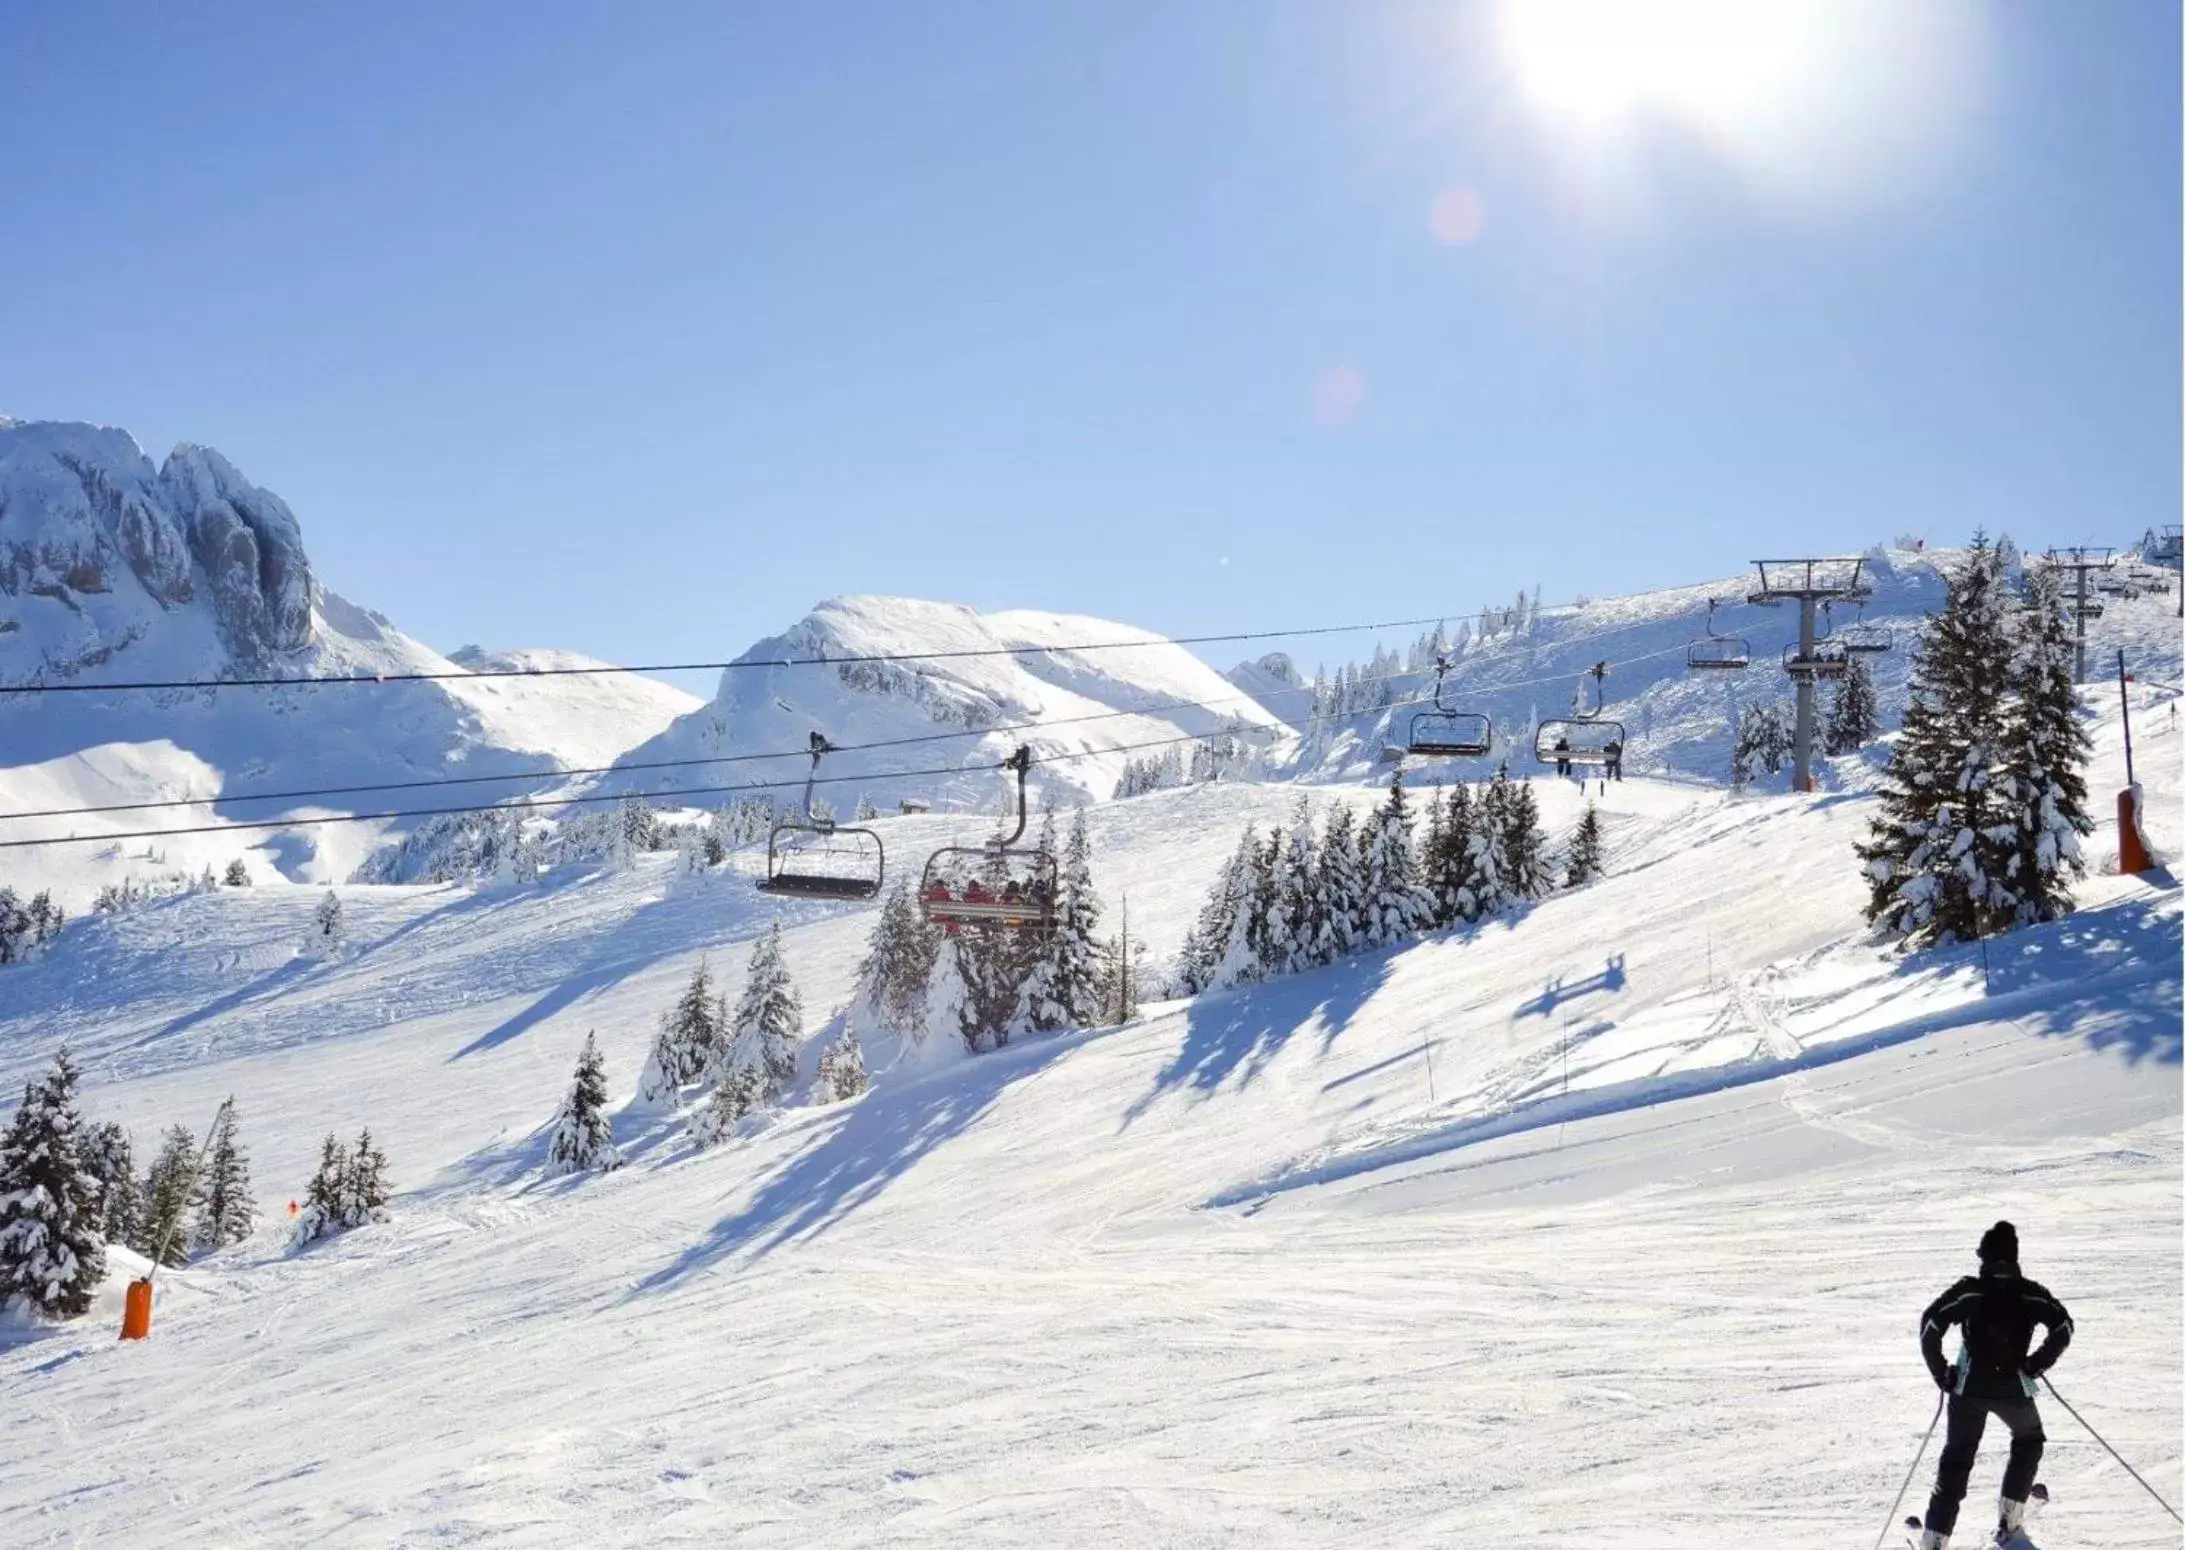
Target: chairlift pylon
{"x": 809, "y": 857}
{"x": 1716, "y": 652}
{"x": 1446, "y": 732}
{"x": 1586, "y": 738}
{"x": 999, "y": 884}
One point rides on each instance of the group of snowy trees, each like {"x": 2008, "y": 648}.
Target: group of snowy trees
{"x": 1984, "y": 804}
{"x": 1310, "y": 894}
{"x": 1224, "y": 756}
{"x": 67, "y": 1189}
{"x": 738, "y": 1062}
{"x": 986, "y": 983}
{"x": 1762, "y": 740}
{"x": 348, "y": 1190}
{"x": 27, "y": 928}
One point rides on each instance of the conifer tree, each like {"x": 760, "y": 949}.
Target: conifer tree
{"x": 1486, "y": 886}
{"x": 365, "y": 1183}
{"x": 1339, "y": 893}
{"x": 1061, "y": 988}
{"x": 1449, "y": 860}
{"x": 583, "y": 1139}
{"x": 1938, "y": 856}
{"x": 171, "y": 1195}
{"x": 1524, "y": 847}
{"x": 238, "y": 875}
{"x": 1582, "y": 861}
{"x": 108, "y": 1155}
{"x": 842, "y": 1068}
{"x": 2044, "y": 753}
{"x": 769, "y": 1021}
{"x": 226, "y": 1213}
{"x": 1854, "y": 716}
{"x": 1206, "y": 946}
{"x": 897, "y": 967}
{"x": 690, "y": 1042}
{"x": 950, "y": 1014}
{"x": 52, "y": 1257}
{"x": 1398, "y": 906}
{"x": 1296, "y": 871}
{"x": 329, "y": 934}
{"x": 326, "y": 1201}
{"x": 1763, "y": 743}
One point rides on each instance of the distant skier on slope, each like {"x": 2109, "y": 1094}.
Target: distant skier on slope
{"x": 1993, "y": 1375}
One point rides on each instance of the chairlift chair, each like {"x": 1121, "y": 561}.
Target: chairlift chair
{"x": 1861, "y": 638}
{"x": 1716, "y": 652}
{"x": 999, "y": 884}
{"x": 1445, "y": 732}
{"x": 1585, "y": 738}
{"x": 815, "y": 858}
{"x": 1830, "y": 659}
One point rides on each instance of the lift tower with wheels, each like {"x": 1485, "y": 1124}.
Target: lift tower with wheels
{"x": 1810, "y": 583}
{"x": 2079, "y": 563}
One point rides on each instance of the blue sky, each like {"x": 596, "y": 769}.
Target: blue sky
{"x": 639, "y": 329}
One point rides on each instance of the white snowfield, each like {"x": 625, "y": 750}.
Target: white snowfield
{"x": 1605, "y": 1226}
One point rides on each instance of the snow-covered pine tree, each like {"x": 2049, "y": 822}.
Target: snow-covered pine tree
{"x": 326, "y": 1199}
{"x": 950, "y": 1014}
{"x": 1763, "y": 742}
{"x": 1249, "y": 876}
{"x": 1061, "y": 987}
{"x": 1449, "y": 859}
{"x": 237, "y": 875}
{"x": 226, "y": 1213}
{"x": 1582, "y": 858}
{"x": 1938, "y": 856}
{"x": 583, "y": 1138}
{"x": 1524, "y": 846}
{"x": 2044, "y": 753}
{"x": 171, "y": 1194}
{"x": 52, "y": 1257}
{"x": 1263, "y": 954}
{"x": 1486, "y": 887}
{"x": 329, "y": 934}
{"x": 1854, "y": 715}
{"x": 1340, "y": 901}
{"x": 364, "y": 1184}
{"x": 108, "y": 1155}
{"x": 689, "y": 1043}
{"x": 1398, "y": 906}
{"x": 769, "y": 1021}
{"x": 842, "y": 1068}
{"x": 1296, "y": 873}
{"x": 1206, "y": 944}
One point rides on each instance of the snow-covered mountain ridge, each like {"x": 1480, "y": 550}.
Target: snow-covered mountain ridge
{"x": 112, "y": 570}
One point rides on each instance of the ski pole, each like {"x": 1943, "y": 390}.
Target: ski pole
{"x": 2113, "y": 1453}
{"x": 1891, "y": 1522}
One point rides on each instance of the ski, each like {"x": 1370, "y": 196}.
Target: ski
{"x": 2036, "y": 1499}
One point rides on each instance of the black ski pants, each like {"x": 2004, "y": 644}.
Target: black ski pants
{"x": 1961, "y": 1443}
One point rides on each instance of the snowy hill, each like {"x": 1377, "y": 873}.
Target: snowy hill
{"x": 112, "y": 571}
{"x": 1093, "y": 706}
{"x": 1602, "y": 1225}
{"x": 1679, "y": 722}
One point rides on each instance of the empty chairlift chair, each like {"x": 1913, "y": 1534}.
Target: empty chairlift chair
{"x": 999, "y": 885}
{"x": 1715, "y": 652}
{"x": 816, "y": 858}
{"x": 1448, "y": 733}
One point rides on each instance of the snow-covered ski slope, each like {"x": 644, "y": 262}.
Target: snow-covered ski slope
{"x": 1678, "y": 721}
{"x": 1346, "y": 1259}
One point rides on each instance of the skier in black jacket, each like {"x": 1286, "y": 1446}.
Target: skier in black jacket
{"x": 1993, "y": 1375}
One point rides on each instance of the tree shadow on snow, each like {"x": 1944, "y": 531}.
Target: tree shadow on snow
{"x": 2122, "y": 958}
{"x": 865, "y": 1146}
{"x": 1240, "y": 1031}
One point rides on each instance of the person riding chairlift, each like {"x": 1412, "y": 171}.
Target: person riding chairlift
{"x": 1562, "y": 754}
{"x": 1612, "y": 761}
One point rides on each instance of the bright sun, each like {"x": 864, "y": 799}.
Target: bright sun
{"x": 1718, "y": 62}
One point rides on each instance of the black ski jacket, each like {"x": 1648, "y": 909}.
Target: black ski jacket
{"x": 1997, "y": 1310}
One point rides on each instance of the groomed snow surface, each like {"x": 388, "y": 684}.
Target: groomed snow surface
{"x": 1607, "y": 1226}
